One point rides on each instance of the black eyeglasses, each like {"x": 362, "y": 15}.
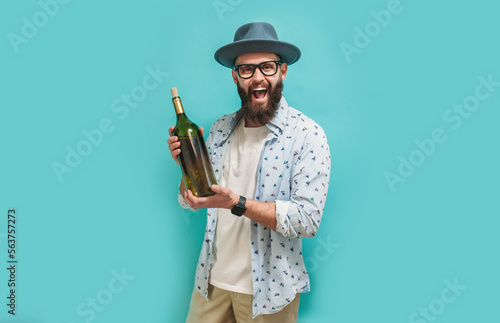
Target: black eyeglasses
{"x": 246, "y": 71}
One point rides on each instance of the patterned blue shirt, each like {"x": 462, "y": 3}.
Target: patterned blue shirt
{"x": 294, "y": 171}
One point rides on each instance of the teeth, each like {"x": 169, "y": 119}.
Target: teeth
{"x": 260, "y": 89}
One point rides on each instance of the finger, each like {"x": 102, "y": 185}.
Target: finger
{"x": 217, "y": 189}
{"x": 173, "y": 139}
{"x": 174, "y": 149}
{"x": 191, "y": 199}
{"x": 171, "y": 130}
{"x": 202, "y": 130}
{"x": 174, "y": 145}
{"x": 189, "y": 196}
{"x": 221, "y": 190}
{"x": 187, "y": 199}
{"x": 176, "y": 152}
{"x": 175, "y": 155}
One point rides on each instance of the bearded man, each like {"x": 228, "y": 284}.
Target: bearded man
{"x": 272, "y": 164}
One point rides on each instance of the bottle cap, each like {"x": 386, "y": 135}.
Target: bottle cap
{"x": 174, "y": 92}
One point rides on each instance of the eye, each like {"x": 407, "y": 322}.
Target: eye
{"x": 267, "y": 67}
{"x": 246, "y": 69}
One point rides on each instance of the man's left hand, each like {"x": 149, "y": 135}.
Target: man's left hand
{"x": 224, "y": 198}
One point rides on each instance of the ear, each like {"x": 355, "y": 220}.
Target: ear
{"x": 235, "y": 77}
{"x": 284, "y": 69}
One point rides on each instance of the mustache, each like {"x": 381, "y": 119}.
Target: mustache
{"x": 259, "y": 84}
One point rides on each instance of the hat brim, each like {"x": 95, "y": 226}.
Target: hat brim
{"x": 226, "y": 55}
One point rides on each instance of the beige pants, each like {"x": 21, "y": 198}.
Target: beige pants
{"x": 229, "y": 307}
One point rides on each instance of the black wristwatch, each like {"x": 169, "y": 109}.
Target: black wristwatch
{"x": 239, "y": 208}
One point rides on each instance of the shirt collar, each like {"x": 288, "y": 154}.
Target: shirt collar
{"x": 278, "y": 122}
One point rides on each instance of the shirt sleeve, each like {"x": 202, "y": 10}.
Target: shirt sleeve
{"x": 309, "y": 188}
{"x": 185, "y": 204}
{"x": 281, "y": 215}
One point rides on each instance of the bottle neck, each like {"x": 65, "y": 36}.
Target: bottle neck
{"x": 178, "y": 105}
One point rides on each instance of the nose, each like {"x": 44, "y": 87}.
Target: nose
{"x": 257, "y": 75}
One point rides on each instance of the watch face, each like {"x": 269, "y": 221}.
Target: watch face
{"x": 238, "y": 210}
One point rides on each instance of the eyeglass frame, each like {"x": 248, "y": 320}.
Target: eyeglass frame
{"x": 255, "y": 66}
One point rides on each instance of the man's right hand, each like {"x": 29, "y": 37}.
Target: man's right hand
{"x": 174, "y": 144}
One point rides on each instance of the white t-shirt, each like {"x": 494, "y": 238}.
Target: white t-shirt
{"x": 232, "y": 269}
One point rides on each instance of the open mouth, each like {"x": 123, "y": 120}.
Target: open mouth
{"x": 260, "y": 93}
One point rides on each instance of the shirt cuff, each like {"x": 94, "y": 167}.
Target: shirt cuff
{"x": 281, "y": 216}
{"x": 183, "y": 202}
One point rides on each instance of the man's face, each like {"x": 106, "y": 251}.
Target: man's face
{"x": 260, "y": 94}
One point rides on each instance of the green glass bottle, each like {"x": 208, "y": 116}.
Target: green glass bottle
{"x": 193, "y": 159}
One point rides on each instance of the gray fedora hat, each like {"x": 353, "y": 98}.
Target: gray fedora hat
{"x": 256, "y": 37}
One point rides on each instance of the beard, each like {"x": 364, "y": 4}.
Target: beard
{"x": 259, "y": 112}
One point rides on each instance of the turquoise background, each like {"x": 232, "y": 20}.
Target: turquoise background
{"x": 380, "y": 254}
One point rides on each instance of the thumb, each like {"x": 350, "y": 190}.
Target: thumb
{"x": 216, "y": 188}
